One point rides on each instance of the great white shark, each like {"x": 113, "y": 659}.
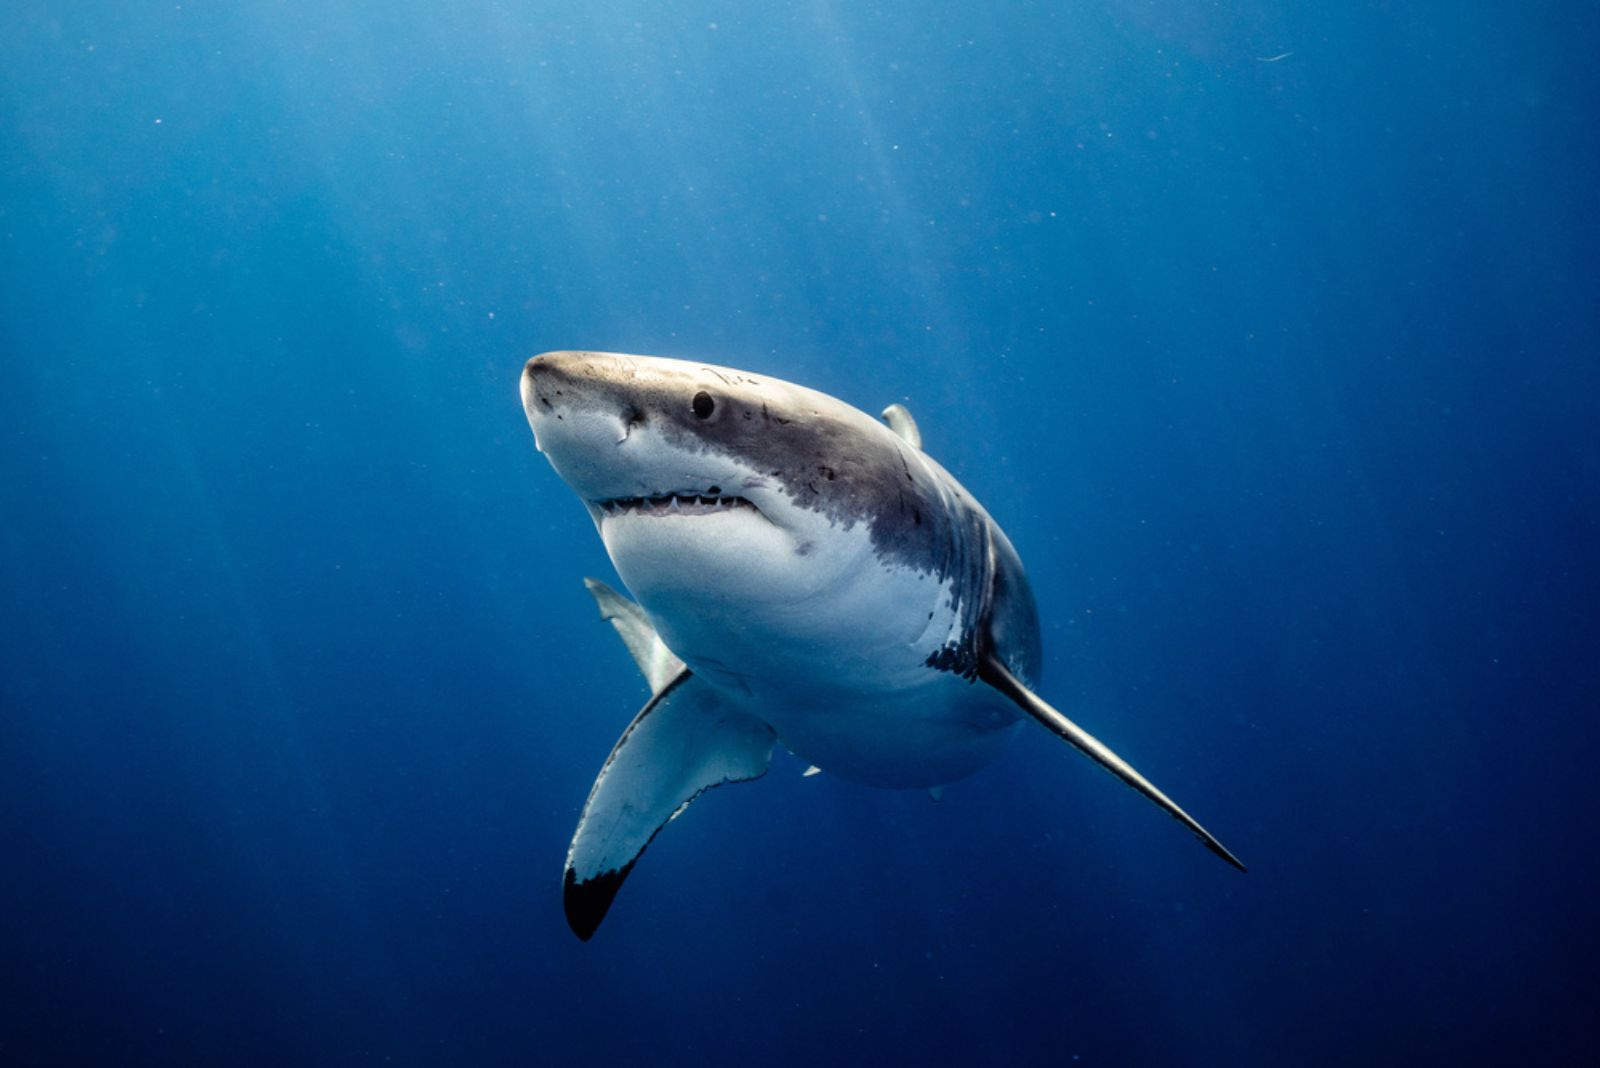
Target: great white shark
{"x": 804, "y": 574}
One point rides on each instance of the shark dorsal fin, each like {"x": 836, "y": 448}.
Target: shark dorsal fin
{"x": 898, "y": 416}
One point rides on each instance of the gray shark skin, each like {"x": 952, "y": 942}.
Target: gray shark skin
{"x": 804, "y": 574}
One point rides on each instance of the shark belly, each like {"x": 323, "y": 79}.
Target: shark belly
{"x": 840, "y": 669}
{"x": 939, "y": 730}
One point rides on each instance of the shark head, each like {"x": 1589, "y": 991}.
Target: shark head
{"x": 715, "y": 489}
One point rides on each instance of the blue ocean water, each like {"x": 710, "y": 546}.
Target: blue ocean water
{"x": 1267, "y": 331}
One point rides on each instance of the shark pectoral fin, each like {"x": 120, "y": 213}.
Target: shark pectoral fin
{"x": 684, "y": 742}
{"x": 996, "y": 674}
{"x": 898, "y": 416}
{"x": 659, "y": 664}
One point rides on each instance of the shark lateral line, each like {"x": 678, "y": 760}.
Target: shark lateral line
{"x": 804, "y": 574}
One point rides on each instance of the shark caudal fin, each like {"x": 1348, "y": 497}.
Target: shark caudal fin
{"x": 659, "y": 664}
{"x": 684, "y": 742}
{"x": 996, "y": 674}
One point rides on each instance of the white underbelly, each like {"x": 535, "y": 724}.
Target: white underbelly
{"x": 939, "y": 730}
{"x": 830, "y": 646}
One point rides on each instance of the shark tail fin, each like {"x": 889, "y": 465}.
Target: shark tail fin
{"x": 658, "y": 663}
{"x": 996, "y": 674}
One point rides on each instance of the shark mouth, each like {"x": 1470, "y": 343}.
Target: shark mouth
{"x": 672, "y": 504}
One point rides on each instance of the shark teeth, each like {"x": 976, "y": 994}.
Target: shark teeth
{"x": 671, "y": 504}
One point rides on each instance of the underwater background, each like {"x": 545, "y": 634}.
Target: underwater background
{"x": 1267, "y": 331}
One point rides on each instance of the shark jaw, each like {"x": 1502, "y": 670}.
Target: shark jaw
{"x": 670, "y": 504}
{"x": 676, "y": 505}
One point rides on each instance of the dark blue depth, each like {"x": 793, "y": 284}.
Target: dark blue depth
{"x": 1268, "y": 332}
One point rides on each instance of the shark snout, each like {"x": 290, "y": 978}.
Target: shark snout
{"x": 581, "y": 409}
{"x": 555, "y": 383}
{"x": 554, "y": 400}
{"x": 547, "y": 381}
{"x": 555, "y": 391}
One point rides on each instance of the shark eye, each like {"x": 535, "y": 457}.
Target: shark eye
{"x": 703, "y": 405}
